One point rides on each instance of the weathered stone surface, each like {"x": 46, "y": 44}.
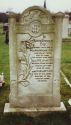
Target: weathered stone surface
{"x": 35, "y": 52}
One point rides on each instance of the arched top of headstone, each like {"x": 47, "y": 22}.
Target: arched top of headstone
{"x": 35, "y": 13}
{"x": 36, "y": 7}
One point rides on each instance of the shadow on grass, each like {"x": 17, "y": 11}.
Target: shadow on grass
{"x": 50, "y": 119}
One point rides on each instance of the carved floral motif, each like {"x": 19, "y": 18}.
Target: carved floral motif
{"x": 24, "y": 67}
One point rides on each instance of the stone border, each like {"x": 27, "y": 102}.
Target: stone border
{"x": 33, "y": 111}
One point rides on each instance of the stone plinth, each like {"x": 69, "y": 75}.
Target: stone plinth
{"x": 33, "y": 111}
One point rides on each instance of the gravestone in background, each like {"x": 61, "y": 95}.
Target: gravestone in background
{"x": 35, "y": 54}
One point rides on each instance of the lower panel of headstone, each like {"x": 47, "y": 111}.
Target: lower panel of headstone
{"x": 33, "y": 111}
{"x": 35, "y": 101}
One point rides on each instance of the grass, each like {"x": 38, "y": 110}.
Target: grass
{"x": 66, "y": 68}
{"x": 66, "y": 52}
{"x": 21, "y": 119}
{"x": 4, "y": 58}
{"x": 66, "y": 59}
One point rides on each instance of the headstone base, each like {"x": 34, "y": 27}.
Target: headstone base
{"x": 33, "y": 111}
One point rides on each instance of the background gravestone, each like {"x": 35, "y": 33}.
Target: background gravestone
{"x": 35, "y": 52}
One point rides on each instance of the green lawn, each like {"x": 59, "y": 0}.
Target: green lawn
{"x": 66, "y": 68}
{"x": 50, "y": 119}
{"x": 4, "y": 58}
{"x": 66, "y": 59}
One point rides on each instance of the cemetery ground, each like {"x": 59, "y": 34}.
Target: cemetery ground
{"x": 61, "y": 118}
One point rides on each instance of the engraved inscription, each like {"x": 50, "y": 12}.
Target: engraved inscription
{"x": 36, "y": 60}
{"x": 42, "y": 60}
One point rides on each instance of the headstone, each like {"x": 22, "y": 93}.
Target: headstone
{"x": 35, "y": 54}
{"x": 69, "y": 107}
{"x": 2, "y": 80}
{"x": 69, "y": 101}
{"x": 6, "y": 31}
